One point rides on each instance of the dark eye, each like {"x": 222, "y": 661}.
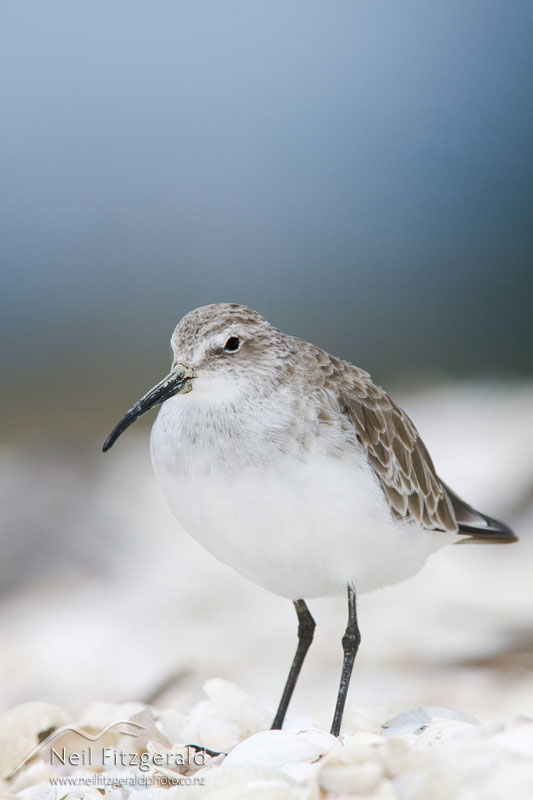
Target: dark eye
{"x": 232, "y": 345}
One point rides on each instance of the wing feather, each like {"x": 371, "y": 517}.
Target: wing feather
{"x": 395, "y": 451}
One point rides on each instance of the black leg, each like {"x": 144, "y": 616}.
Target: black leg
{"x": 306, "y": 628}
{"x": 350, "y": 643}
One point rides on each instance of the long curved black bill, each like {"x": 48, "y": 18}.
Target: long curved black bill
{"x": 176, "y": 382}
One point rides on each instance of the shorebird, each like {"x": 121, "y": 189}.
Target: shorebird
{"x": 297, "y": 470}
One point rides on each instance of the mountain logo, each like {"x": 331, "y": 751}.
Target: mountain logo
{"x": 90, "y": 737}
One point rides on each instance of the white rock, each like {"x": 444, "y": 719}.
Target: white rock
{"x": 472, "y": 770}
{"x": 20, "y": 728}
{"x": 385, "y": 791}
{"x": 301, "y": 772}
{"x": 360, "y": 739}
{"x": 39, "y": 791}
{"x": 209, "y": 730}
{"x": 354, "y": 779}
{"x": 227, "y": 717}
{"x": 415, "y": 720}
{"x": 367, "y": 718}
{"x": 150, "y": 731}
{"x": 77, "y": 793}
{"x": 171, "y": 723}
{"x": 245, "y": 783}
{"x": 444, "y": 730}
{"x": 274, "y": 749}
{"x": 517, "y": 739}
{"x": 398, "y": 756}
{"x": 323, "y": 739}
{"x": 232, "y": 702}
{"x": 37, "y": 771}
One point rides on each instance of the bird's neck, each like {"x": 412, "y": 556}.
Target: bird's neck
{"x": 198, "y": 435}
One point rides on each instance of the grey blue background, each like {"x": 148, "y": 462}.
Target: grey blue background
{"x": 359, "y": 172}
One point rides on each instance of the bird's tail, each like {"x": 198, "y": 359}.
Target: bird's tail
{"x": 477, "y": 526}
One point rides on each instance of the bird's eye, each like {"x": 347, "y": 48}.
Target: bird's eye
{"x": 232, "y": 345}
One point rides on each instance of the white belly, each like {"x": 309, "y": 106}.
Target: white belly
{"x": 300, "y": 527}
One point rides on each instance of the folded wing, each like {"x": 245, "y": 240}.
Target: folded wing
{"x": 403, "y": 465}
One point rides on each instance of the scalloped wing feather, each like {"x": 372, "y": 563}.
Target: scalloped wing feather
{"x": 395, "y": 451}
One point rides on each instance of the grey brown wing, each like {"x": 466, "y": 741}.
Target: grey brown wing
{"x": 397, "y": 454}
{"x": 404, "y": 467}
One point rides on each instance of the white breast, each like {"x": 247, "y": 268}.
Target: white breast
{"x": 301, "y": 522}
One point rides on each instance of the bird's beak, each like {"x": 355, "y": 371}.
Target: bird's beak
{"x": 178, "y": 381}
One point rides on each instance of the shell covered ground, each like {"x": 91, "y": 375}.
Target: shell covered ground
{"x": 112, "y": 616}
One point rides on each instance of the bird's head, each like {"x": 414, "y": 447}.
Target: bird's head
{"x": 218, "y": 350}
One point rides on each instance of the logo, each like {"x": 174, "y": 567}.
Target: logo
{"x": 89, "y": 737}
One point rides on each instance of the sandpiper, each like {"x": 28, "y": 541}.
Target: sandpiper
{"x": 297, "y": 470}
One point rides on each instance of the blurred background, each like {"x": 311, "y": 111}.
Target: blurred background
{"x": 360, "y": 173}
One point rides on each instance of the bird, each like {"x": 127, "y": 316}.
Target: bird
{"x": 297, "y": 470}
